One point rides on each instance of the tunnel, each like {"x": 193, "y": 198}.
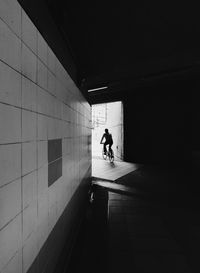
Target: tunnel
{"x": 61, "y": 209}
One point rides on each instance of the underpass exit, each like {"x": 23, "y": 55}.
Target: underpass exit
{"x": 110, "y": 116}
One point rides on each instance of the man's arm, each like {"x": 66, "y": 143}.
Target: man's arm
{"x": 102, "y": 139}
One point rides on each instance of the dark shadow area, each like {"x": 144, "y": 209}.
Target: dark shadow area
{"x": 160, "y": 180}
{"x": 157, "y": 225}
{"x": 90, "y": 250}
{"x": 170, "y": 189}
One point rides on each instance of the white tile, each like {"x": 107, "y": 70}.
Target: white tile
{"x": 29, "y": 63}
{"x": 52, "y": 194}
{"x": 29, "y": 220}
{"x": 70, "y": 146}
{"x": 58, "y": 109}
{"x": 10, "y": 201}
{"x": 10, "y": 163}
{"x": 67, "y": 97}
{"x": 64, "y": 128}
{"x": 29, "y": 32}
{"x": 46, "y": 103}
{"x": 59, "y": 90}
{"x": 28, "y": 157}
{"x": 42, "y": 127}
{"x": 51, "y": 128}
{"x": 51, "y": 82}
{"x": 66, "y": 112}
{"x": 51, "y": 106}
{"x": 43, "y": 230}
{"x": 43, "y": 207}
{"x": 67, "y": 194}
{"x": 59, "y": 128}
{"x": 10, "y": 124}
{"x": 42, "y": 49}
{"x": 70, "y": 129}
{"x": 29, "y": 123}
{"x": 42, "y": 233}
{"x": 42, "y": 75}
{"x": 59, "y": 195}
{"x": 10, "y": 13}
{"x": 10, "y": 241}
{"x": 52, "y": 217}
{"x": 61, "y": 205}
{"x": 65, "y": 146}
{"x": 67, "y": 171}
{"x": 71, "y": 113}
{"x": 10, "y": 80}
{"x": 42, "y": 153}
{"x": 29, "y": 94}
{"x": 15, "y": 264}
{"x": 58, "y": 68}
{"x": 51, "y": 60}
{"x": 42, "y": 101}
{"x": 10, "y": 47}
{"x": 42, "y": 179}
{"x": 29, "y": 183}
{"x": 71, "y": 86}
{"x": 30, "y": 251}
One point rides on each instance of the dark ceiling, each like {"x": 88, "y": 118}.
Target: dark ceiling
{"x": 112, "y": 41}
{"x": 121, "y": 44}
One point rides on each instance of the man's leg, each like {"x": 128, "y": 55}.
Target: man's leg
{"x": 104, "y": 148}
{"x": 110, "y": 149}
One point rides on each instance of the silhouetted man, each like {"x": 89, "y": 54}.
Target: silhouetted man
{"x": 108, "y": 141}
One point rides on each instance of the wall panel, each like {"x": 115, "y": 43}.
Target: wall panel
{"x": 39, "y": 103}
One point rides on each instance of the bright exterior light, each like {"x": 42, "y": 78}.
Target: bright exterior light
{"x": 95, "y": 89}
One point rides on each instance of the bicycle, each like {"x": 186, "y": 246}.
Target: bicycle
{"x": 109, "y": 154}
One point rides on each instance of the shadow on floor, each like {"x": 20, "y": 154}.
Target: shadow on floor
{"x": 90, "y": 253}
{"x": 155, "y": 230}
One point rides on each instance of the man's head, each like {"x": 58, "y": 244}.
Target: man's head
{"x": 106, "y": 131}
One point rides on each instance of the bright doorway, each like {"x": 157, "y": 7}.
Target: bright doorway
{"x": 110, "y": 116}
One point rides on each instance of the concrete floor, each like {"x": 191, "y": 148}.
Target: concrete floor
{"x": 142, "y": 222}
{"x": 104, "y": 169}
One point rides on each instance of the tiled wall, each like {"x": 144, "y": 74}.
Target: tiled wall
{"x": 38, "y": 102}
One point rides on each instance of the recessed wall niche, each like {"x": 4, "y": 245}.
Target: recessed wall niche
{"x": 54, "y": 160}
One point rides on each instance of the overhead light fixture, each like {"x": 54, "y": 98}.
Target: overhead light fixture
{"x": 96, "y": 89}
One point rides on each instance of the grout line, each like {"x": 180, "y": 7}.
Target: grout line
{"x": 36, "y": 140}
{"x": 21, "y": 39}
{"x": 13, "y": 32}
{"x": 9, "y": 182}
{"x": 36, "y": 83}
{"x": 37, "y": 167}
{"x": 43, "y": 114}
{"x": 23, "y": 142}
{"x": 22, "y": 219}
{"x": 10, "y": 143}
{"x": 10, "y": 260}
{"x": 11, "y": 220}
{"x": 38, "y": 57}
{"x": 73, "y": 154}
{"x": 21, "y": 211}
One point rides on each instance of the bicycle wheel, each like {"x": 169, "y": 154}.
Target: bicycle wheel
{"x": 111, "y": 156}
{"x": 104, "y": 155}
